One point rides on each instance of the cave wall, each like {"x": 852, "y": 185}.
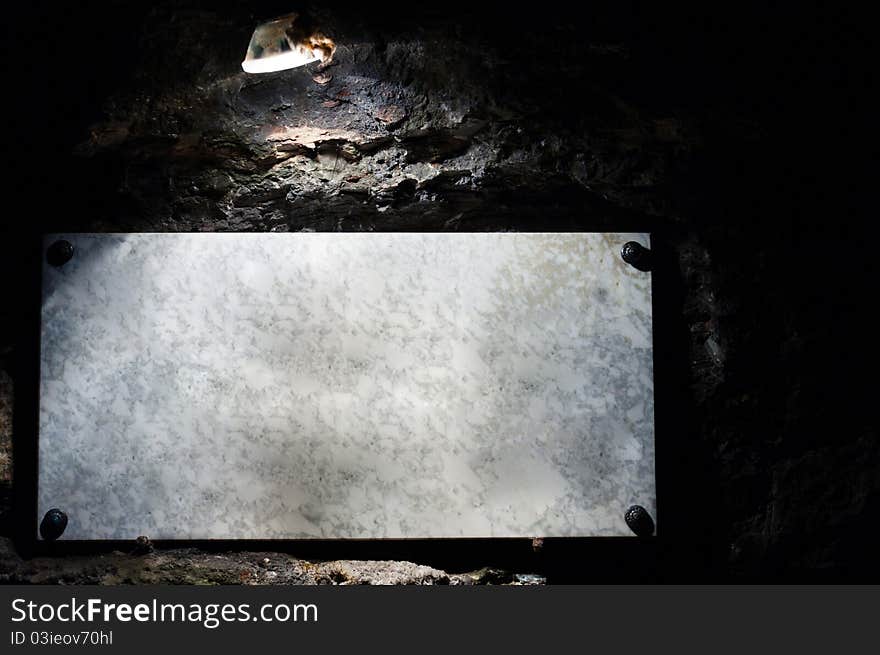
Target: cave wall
{"x": 701, "y": 127}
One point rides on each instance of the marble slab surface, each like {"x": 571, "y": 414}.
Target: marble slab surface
{"x": 368, "y": 385}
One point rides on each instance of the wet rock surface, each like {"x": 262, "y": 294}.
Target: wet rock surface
{"x": 723, "y": 134}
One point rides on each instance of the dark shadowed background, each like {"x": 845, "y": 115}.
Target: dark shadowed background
{"x": 737, "y": 132}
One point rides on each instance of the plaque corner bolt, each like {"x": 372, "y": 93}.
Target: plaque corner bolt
{"x": 637, "y": 256}
{"x": 53, "y": 524}
{"x": 639, "y": 521}
{"x": 59, "y": 253}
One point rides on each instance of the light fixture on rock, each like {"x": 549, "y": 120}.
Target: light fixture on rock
{"x": 286, "y": 42}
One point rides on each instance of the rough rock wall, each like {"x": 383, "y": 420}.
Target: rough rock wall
{"x": 409, "y": 128}
{"x": 452, "y": 118}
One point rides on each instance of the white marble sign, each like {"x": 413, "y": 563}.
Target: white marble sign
{"x": 360, "y": 385}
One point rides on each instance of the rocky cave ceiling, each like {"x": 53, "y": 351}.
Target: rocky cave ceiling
{"x": 443, "y": 120}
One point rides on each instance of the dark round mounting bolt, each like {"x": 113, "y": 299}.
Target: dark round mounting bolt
{"x": 636, "y": 255}
{"x": 59, "y": 253}
{"x": 639, "y": 521}
{"x": 53, "y": 524}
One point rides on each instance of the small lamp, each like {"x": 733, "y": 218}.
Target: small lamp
{"x": 286, "y": 42}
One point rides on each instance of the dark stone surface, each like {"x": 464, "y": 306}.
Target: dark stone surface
{"x": 191, "y": 566}
{"x": 733, "y": 133}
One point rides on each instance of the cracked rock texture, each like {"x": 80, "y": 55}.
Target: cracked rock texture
{"x": 190, "y": 566}
{"x": 725, "y": 133}
{"x": 406, "y": 129}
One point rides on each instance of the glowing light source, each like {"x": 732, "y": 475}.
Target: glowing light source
{"x": 286, "y": 42}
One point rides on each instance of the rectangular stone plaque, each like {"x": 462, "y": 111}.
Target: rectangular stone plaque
{"x": 367, "y": 385}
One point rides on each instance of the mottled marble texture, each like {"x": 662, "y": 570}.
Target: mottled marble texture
{"x": 346, "y": 386}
